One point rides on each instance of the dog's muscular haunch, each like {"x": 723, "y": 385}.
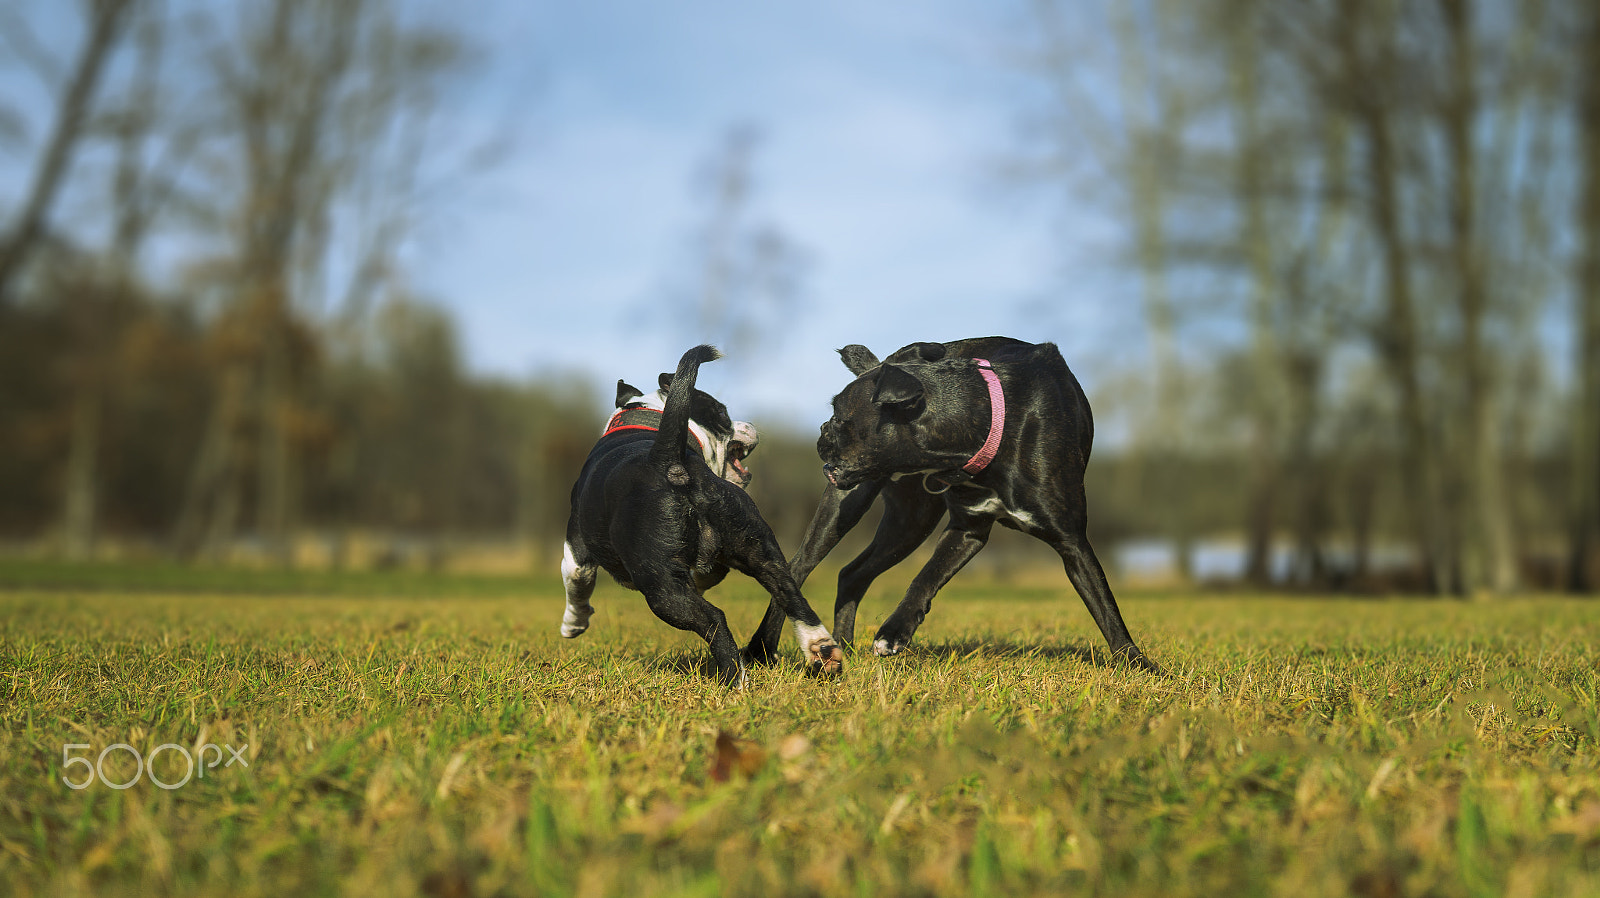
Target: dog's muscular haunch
{"x": 910, "y": 429}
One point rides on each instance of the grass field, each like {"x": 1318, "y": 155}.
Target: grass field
{"x": 441, "y": 739}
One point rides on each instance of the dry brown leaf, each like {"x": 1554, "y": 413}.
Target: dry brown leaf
{"x": 735, "y": 754}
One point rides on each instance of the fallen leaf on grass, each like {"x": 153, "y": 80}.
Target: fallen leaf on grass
{"x": 734, "y": 754}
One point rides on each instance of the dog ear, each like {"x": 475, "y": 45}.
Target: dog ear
{"x": 665, "y": 380}
{"x": 859, "y": 359}
{"x": 918, "y": 352}
{"x": 625, "y": 392}
{"x": 899, "y": 389}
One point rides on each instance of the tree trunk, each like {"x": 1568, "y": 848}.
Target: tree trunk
{"x": 93, "y": 331}
{"x": 211, "y": 502}
{"x": 1489, "y": 562}
{"x": 1309, "y": 496}
{"x": 1266, "y": 401}
{"x": 275, "y": 471}
{"x": 80, "y": 495}
{"x": 1146, "y": 148}
{"x": 1397, "y": 340}
{"x": 1585, "y": 521}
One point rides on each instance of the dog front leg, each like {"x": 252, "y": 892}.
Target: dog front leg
{"x": 956, "y": 547}
{"x": 838, "y": 511}
{"x": 909, "y": 515}
{"x": 751, "y": 549}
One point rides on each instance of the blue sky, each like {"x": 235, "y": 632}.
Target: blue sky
{"x": 882, "y": 127}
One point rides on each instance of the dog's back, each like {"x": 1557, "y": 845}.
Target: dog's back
{"x": 636, "y": 478}
{"x": 1055, "y": 388}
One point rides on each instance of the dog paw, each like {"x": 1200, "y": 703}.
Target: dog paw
{"x": 576, "y": 620}
{"x": 824, "y": 659}
{"x": 884, "y": 648}
{"x": 1137, "y": 660}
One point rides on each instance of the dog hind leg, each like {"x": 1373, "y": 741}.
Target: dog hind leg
{"x": 675, "y": 601}
{"x": 1089, "y": 579}
{"x": 750, "y": 548}
{"x": 579, "y": 581}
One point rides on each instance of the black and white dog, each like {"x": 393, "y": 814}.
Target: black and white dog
{"x": 988, "y": 429}
{"x": 670, "y": 521}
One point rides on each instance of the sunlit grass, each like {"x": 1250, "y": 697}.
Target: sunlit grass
{"x": 458, "y": 746}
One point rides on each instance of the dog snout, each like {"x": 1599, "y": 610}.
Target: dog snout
{"x": 827, "y": 445}
{"x": 744, "y": 432}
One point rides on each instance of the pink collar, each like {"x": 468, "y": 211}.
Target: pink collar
{"x": 997, "y": 420}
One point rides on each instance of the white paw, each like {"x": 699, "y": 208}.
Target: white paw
{"x": 576, "y": 621}
{"x": 883, "y": 649}
{"x": 822, "y": 655}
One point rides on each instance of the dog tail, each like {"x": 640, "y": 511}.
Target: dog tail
{"x": 673, "y": 438}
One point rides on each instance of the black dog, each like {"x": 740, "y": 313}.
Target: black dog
{"x": 653, "y": 513}
{"x": 988, "y": 429}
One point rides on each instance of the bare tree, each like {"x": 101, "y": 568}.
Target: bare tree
{"x": 130, "y": 121}
{"x": 105, "y": 26}
{"x": 1155, "y": 108}
{"x": 1346, "y": 173}
{"x": 1252, "y": 171}
{"x": 1489, "y": 559}
{"x": 746, "y": 272}
{"x": 315, "y": 97}
{"x": 1585, "y": 493}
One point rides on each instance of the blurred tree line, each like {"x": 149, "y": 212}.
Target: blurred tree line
{"x": 1368, "y": 233}
{"x": 1367, "y": 236}
{"x": 394, "y": 438}
{"x": 290, "y": 381}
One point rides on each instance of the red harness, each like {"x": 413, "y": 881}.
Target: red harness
{"x": 640, "y": 417}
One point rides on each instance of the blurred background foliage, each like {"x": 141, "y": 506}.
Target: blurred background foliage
{"x": 1389, "y": 211}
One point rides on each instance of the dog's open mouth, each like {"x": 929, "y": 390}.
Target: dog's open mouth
{"x": 737, "y": 453}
